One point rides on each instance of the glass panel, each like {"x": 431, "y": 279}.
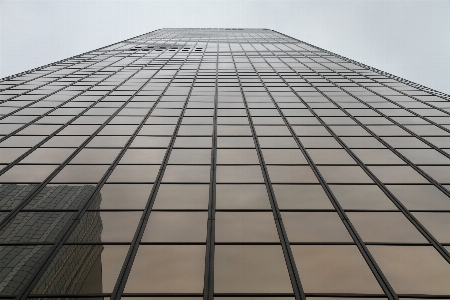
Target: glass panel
{"x": 177, "y": 173}
{"x": 397, "y": 174}
{"x": 233, "y": 130}
{"x": 344, "y": 174}
{"x": 385, "y": 227}
{"x": 315, "y": 227}
{"x": 167, "y": 269}
{"x": 27, "y": 173}
{"x": 413, "y": 269}
{"x": 235, "y": 142}
{"x": 150, "y": 141}
{"x": 182, "y": 196}
{"x": 176, "y": 227}
{"x": 378, "y": 156}
{"x": 124, "y": 196}
{"x": 143, "y": 156}
{"x": 250, "y": 269}
{"x": 245, "y": 227}
{"x": 57, "y": 196}
{"x": 439, "y": 173}
{"x": 81, "y": 173}
{"x": 301, "y": 197}
{"x": 436, "y": 223}
{"x": 190, "y": 156}
{"x": 423, "y": 197}
{"x": 137, "y": 173}
{"x": 361, "y": 197}
{"x": 425, "y": 156}
{"x": 237, "y": 156}
{"x": 291, "y": 174}
{"x": 95, "y": 156}
{"x": 242, "y": 196}
{"x": 283, "y": 156}
{"x": 331, "y": 156}
{"x": 237, "y": 174}
{"x": 40, "y": 155}
{"x": 333, "y": 269}
{"x": 106, "y": 227}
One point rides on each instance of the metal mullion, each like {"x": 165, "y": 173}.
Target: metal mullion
{"x": 382, "y": 281}
{"x": 438, "y": 246}
{"x": 287, "y": 253}
{"x": 70, "y": 227}
{"x": 40, "y": 186}
{"x": 208, "y": 288}
{"x": 126, "y": 267}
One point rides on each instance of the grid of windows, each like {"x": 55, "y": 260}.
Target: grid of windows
{"x": 225, "y": 164}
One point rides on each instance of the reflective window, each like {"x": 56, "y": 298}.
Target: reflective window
{"x": 167, "y": 269}
{"x": 334, "y": 269}
{"x": 250, "y": 269}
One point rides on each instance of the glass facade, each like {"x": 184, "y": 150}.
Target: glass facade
{"x": 223, "y": 164}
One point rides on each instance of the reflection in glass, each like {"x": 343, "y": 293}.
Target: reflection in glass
{"x": 413, "y": 269}
{"x": 167, "y": 269}
{"x": 245, "y": 227}
{"x": 333, "y": 269}
{"x": 70, "y": 268}
{"x": 250, "y": 269}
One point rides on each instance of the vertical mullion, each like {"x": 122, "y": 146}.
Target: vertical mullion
{"x": 208, "y": 290}
{"x": 288, "y": 256}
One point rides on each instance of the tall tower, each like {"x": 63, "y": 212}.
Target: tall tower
{"x": 222, "y": 164}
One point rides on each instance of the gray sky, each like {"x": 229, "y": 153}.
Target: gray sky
{"x": 410, "y": 39}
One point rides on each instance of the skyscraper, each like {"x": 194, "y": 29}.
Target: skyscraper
{"x": 226, "y": 164}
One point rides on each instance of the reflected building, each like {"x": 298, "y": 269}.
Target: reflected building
{"x": 222, "y": 164}
{"x": 68, "y": 271}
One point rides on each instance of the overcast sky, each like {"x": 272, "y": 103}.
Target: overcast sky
{"x": 410, "y": 39}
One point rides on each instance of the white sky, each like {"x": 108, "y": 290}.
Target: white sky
{"x": 410, "y": 39}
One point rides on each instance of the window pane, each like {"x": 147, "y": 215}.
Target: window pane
{"x": 436, "y": 223}
{"x": 385, "y": 227}
{"x": 242, "y": 196}
{"x": 315, "y": 227}
{"x": 250, "y": 269}
{"x": 176, "y": 227}
{"x": 124, "y": 196}
{"x": 237, "y": 174}
{"x": 167, "y": 269}
{"x": 424, "y": 197}
{"x": 106, "y": 227}
{"x": 291, "y": 174}
{"x": 334, "y": 269}
{"x": 182, "y": 196}
{"x": 361, "y": 197}
{"x": 413, "y": 269}
{"x": 245, "y": 227}
{"x": 301, "y": 197}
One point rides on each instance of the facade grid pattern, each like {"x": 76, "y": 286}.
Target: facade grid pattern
{"x": 222, "y": 164}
